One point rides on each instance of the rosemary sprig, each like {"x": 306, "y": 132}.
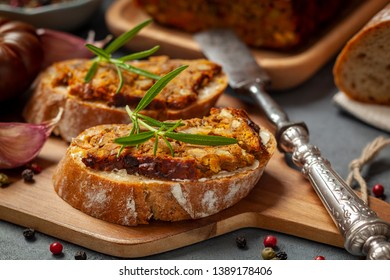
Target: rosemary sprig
{"x": 105, "y": 55}
{"x": 163, "y": 130}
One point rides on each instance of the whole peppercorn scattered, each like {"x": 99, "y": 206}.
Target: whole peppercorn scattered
{"x": 241, "y": 242}
{"x": 319, "y": 258}
{"x": 270, "y": 241}
{"x": 268, "y": 253}
{"x": 281, "y": 255}
{"x": 56, "y": 248}
{"x": 29, "y": 233}
{"x": 378, "y": 190}
{"x": 80, "y": 255}
{"x": 28, "y": 175}
{"x": 4, "y": 180}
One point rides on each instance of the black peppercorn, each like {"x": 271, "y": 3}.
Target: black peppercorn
{"x": 29, "y": 233}
{"x": 241, "y": 242}
{"x": 80, "y": 255}
{"x": 34, "y": 167}
{"x": 28, "y": 175}
{"x": 281, "y": 255}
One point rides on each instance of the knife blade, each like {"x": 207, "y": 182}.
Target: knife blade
{"x": 365, "y": 234}
{"x": 245, "y": 75}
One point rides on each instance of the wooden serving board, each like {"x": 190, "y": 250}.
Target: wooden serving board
{"x": 286, "y": 69}
{"x": 282, "y": 201}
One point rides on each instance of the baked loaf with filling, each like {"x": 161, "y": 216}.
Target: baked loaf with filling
{"x": 362, "y": 69}
{"x": 275, "y": 24}
{"x": 138, "y": 186}
{"x": 190, "y": 94}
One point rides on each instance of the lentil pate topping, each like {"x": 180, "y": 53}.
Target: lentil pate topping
{"x": 190, "y": 162}
{"x": 178, "y": 94}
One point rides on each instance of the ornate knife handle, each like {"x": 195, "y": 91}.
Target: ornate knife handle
{"x": 364, "y": 232}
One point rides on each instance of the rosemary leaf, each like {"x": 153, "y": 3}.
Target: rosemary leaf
{"x": 98, "y": 51}
{"x": 199, "y": 139}
{"x": 157, "y": 87}
{"x": 125, "y": 37}
{"x": 91, "y": 71}
{"x": 120, "y": 75}
{"x": 156, "y": 123}
{"x": 155, "y": 146}
{"x": 120, "y": 151}
{"x": 136, "y": 125}
{"x": 156, "y": 134}
{"x": 176, "y": 125}
{"x": 139, "y": 71}
{"x": 139, "y": 55}
{"x": 133, "y": 130}
{"x": 168, "y": 145}
{"x": 135, "y": 139}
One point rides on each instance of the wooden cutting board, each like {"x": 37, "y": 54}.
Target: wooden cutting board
{"x": 287, "y": 69}
{"x": 282, "y": 201}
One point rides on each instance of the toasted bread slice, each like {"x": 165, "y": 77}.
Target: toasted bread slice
{"x": 189, "y": 95}
{"x": 138, "y": 186}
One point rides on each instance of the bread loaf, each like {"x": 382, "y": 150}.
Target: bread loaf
{"x": 139, "y": 186}
{"x": 275, "y": 24}
{"x": 362, "y": 69}
{"x": 191, "y": 94}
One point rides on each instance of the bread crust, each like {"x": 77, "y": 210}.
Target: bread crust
{"x": 130, "y": 199}
{"x": 45, "y": 101}
{"x": 130, "y": 202}
{"x": 362, "y": 67}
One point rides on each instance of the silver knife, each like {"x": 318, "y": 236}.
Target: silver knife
{"x": 365, "y": 234}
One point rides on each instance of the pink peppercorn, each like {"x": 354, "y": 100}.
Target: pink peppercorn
{"x": 270, "y": 241}
{"x": 378, "y": 190}
{"x": 56, "y": 248}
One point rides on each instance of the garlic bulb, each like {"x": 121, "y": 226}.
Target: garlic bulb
{"x": 59, "y": 46}
{"x": 21, "y": 142}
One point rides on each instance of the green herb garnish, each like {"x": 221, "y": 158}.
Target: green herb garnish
{"x": 105, "y": 55}
{"x": 144, "y": 127}
{"x": 163, "y": 130}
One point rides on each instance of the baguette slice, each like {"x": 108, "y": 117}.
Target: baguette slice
{"x": 362, "y": 69}
{"x": 138, "y": 187}
{"x": 189, "y": 95}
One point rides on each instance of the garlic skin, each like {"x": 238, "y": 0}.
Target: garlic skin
{"x": 59, "y": 46}
{"x": 21, "y": 142}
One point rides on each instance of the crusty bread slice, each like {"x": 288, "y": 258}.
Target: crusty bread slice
{"x": 189, "y": 95}
{"x": 362, "y": 69}
{"x": 128, "y": 198}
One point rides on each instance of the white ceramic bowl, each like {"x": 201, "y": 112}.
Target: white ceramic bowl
{"x": 65, "y": 16}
